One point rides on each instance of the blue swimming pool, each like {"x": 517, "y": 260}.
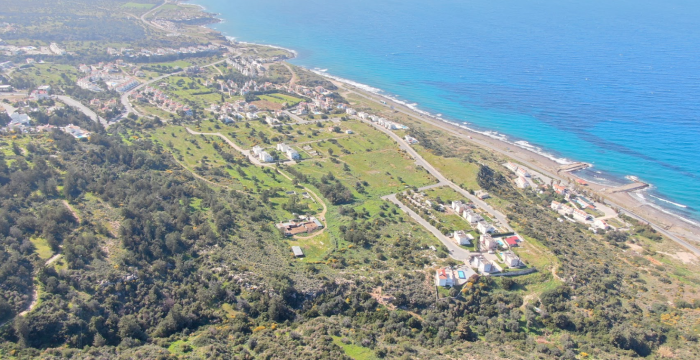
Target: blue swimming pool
{"x": 461, "y": 274}
{"x": 500, "y": 242}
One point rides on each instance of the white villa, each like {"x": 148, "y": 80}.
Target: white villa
{"x": 511, "y": 260}
{"x": 581, "y": 215}
{"x": 484, "y": 266}
{"x": 487, "y": 243}
{"x": 262, "y": 155}
{"x": 482, "y": 194}
{"x": 288, "y": 151}
{"x": 459, "y": 206}
{"x": 472, "y": 216}
{"x": 484, "y": 227}
{"x": 463, "y": 238}
{"x": 453, "y": 277}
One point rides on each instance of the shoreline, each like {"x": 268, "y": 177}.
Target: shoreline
{"x": 644, "y": 209}
{"x": 527, "y": 153}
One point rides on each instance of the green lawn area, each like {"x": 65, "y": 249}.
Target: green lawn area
{"x": 281, "y": 99}
{"x": 446, "y": 194}
{"x": 314, "y": 248}
{"x": 133, "y": 5}
{"x": 42, "y": 74}
{"x": 354, "y": 351}
{"x": 457, "y": 170}
{"x": 42, "y": 247}
{"x": 180, "y": 63}
{"x": 184, "y": 89}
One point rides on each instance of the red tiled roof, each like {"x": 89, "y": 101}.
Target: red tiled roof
{"x": 512, "y": 241}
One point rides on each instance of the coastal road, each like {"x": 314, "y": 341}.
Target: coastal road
{"x": 84, "y": 109}
{"x": 661, "y": 230}
{"x": 145, "y": 15}
{"x": 456, "y": 252}
{"x": 551, "y": 174}
{"x": 502, "y": 219}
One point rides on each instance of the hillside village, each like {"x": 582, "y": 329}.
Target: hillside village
{"x": 191, "y": 196}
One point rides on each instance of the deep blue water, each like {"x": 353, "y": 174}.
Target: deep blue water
{"x": 613, "y": 83}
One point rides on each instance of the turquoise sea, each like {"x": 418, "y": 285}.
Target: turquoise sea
{"x": 613, "y": 83}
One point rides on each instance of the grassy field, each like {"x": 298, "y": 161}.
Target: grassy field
{"x": 458, "y": 171}
{"x": 42, "y": 74}
{"x": 281, "y": 99}
{"x": 42, "y": 248}
{"x": 355, "y": 351}
{"x": 140, "y": 6}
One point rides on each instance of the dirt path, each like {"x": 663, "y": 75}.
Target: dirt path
{"x": 72, "y": 211}
{"x": 35, "y": 294}
{"x": 321, "y": 216}
{"x": 295, "y": 78}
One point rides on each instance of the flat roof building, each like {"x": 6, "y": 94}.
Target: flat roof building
{"x": 297, "y": 251}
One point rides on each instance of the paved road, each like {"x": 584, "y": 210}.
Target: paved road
{"x": 456, "y": 252}
{"x": 442, "y": 179}
{"x": 143, "y": 17}
{"x": 84, "y": 109}
{"x": 661, "y": 230}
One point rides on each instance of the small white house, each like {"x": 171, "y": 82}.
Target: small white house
{"x": 288, "y": 151}
{"x": 522, "y": 182}
{"x": 472, "y": 216}
{"x": 601, "y": 224}
{"x": 482, "y": 194}
{"x": 581, "y": 215}
{"x": 487, "y": 243}
{"x": 485, "y": 228}
{"x": 511, "y": 260}
{"x": 444, "y": 277}
{"x": 459, "y": 206}
{"x": 266, "y": 157}
{"x": 463, "y": 238}
{"x": 484, "y": 266}
{"x": 523, "y": 172}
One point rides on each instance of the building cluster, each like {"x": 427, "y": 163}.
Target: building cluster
{"x": 247, "y": 66}
{"x": 21, "y": 122}
{"x": 103, "y": 106}
{"x": 524, "y": 179}
{"x": 161, "y": 100}
{"x": 467, "y": 211}
{"x": 131, "y": 53}
{"x": 109, "y": 73}
{"x": 320, "y": 101}
{"x": 239, "y": 110}
{"x": 420, "y": 201}
{"x": 387, "y": 124}
{"x": 14, "y": 50}
{"x": 304, "y": 226}
{"x": 575, "y": 208}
